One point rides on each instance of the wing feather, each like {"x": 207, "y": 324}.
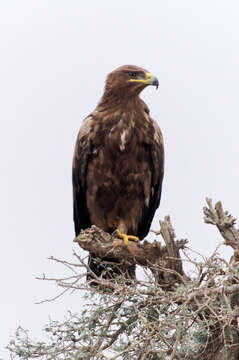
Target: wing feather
{"x": 157, "y": 171}
{"x": 80, "y": 165}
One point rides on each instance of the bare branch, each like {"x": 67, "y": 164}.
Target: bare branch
{"x": 166, "y": 258}
{"x": 224, "y": 222}
{"x": 101, "y": 244}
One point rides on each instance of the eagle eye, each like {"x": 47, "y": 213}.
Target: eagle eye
{"x": 132, "y": 74}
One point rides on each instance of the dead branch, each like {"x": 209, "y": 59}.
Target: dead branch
{"x": 224, "y": 222}
{"x": 102, "y": 244}
{"x": 163, "y": 261}
{"x": 173, "y": 260}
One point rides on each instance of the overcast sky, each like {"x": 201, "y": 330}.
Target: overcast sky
{"x": 54, "y": 58}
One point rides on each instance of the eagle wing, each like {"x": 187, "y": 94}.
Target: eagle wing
{"x": 80, "y": 165}
{"x": 156, "y": 151}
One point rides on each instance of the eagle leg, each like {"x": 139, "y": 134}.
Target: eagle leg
{"x": 125, "y": 237}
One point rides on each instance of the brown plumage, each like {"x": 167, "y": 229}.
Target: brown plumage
{"x": 119, "y": 160}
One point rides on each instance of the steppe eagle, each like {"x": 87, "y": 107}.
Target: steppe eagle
{"x": 118, "y": 162}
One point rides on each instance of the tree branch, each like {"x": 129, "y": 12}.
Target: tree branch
{"x": 223, "y": 221}
{"x": 163, "y": 261}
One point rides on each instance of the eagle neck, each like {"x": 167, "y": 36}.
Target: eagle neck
{"x": 113, "y": 101}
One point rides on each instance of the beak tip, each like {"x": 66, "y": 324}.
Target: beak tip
{"x": 155, "y": 82}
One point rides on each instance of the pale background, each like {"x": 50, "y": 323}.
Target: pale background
{"x": 54, "y": 57}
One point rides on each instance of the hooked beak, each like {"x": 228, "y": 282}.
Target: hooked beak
{"x": 148, "y": 80}
{"x": 151, "y": 80}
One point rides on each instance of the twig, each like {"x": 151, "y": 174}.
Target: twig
{"x": 176, "y": 343}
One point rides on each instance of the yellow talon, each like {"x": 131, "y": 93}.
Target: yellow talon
{"x": 126, "y": 237}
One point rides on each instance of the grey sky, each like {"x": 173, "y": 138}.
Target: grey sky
{"x": 55, "y": 56}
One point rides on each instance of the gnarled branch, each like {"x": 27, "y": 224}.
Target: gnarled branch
{"x": 223, "y": 221}
{"x": 163, "y": 261}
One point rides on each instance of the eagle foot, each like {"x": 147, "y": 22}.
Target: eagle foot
{"x": 125, "y": 237}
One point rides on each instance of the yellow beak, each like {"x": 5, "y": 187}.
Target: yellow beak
{"x": 148, "y": 80}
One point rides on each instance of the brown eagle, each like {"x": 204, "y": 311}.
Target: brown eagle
{"x": 118, "y": 162}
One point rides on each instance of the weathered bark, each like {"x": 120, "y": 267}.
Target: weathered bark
{"x": 164, "y": 261}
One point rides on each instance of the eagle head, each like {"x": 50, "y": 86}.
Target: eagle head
{"x": 129, "y": 80}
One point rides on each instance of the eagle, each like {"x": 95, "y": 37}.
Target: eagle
{"x": 118, "y": 163}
